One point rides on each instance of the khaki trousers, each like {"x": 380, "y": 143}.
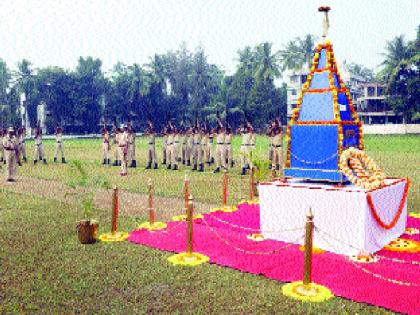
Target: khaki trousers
{"x": 123, "y": 159}
{"x": 244, "y": 156}
{"x": 175, "y": 153}
{"x": 188, "y": 151}
{"x": 39, "y": 152}
{"x": 152, "y": 153}
{"x": 169, "y": 153}
{"x": 131, "y": 152}
{"x": 220, "y": 156}
{"x": 105, "y": 151}
{"x": 58, "y": 147}
{"x": 277, "y": 156}
{"x": 10, "y": 157}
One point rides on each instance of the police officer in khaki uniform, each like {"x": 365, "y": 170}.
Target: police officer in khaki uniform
{"x": 150, "y": 133}
{"x": 39, "y": 152}
{"x": 220, "y": 148}
{"x": 2, "y": 135}
{"x": 59, "y": 144}
{"x": 277, "y": 146}
{"x": 197, "y": 147}
{"x": 22, "y": 144}
{"x": 228, "y": 147}
{"x": 105, "y": 146}
{"x": 210, "y": 148}
{"x": 169, "y": 147}
{"x": 176, "y": 148}
{"x": 122, "y": 141}
{"x": 243, "y": 131}
{"x": 183, "y": 140}
{"x": 190, "y": 145}
{"x": 131, "y": 135}
{"x": 270, "y": 134}
{"x": 202, "y": 152}
{"x": 10, "y": 146}
{"x": 164, "y": 144}
{"x": 114, "y": 133}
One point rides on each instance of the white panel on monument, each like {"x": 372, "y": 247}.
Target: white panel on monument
{"x": 342, "y": 216}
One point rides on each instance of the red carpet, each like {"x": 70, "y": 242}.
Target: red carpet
{"x": 392, "y": 282}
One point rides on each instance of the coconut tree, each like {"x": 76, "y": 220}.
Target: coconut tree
{"x": 297, "y": 53}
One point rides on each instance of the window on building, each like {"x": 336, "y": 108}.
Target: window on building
{"x": 380, "y": 91}
{"x": 293, "y": 78}
{"x": 371, "y": 91}
{"x": 303, "y": 79}
{"x": 293, "y": 92}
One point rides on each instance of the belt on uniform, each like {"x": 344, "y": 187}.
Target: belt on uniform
{"x": 169, "y": 143}
{"x": 151, "y": 143}
{"x": 227, "y": 143}
{"x": 58, "y": 142}
{"x": 277, "y": 146}
{"x": 220, "y": 143}
{"x": 196, "y": 143}
{"x": 38, "y": 144}
{"x": 130, "y": 142}
{"x": 176, "y": 142}
{"x": 7, "y": 149}
{"x": 122, "y": 146}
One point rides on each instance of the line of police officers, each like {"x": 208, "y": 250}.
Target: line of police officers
{"x": 192, "y": 146}
{"x": 13, "y": 148}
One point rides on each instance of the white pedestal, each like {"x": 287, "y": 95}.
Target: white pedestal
{"x": 342, "y": 216}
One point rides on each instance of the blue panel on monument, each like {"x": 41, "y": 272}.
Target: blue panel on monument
{"x": 344, "y": 108}
{"x": 313, "y": 152}
{"x": 320, "y": 80}
{"x": 336, "y": 82}
{"x": 351, "y": 136}
{"x": 317, "y": 106}
{"x": 322, "y": 63}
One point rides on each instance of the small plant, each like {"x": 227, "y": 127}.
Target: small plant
{"x": 82, "y": 185}
{"x": 261, "y": 169}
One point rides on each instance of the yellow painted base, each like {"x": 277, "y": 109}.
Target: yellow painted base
{"x": 311, "y": 292}
{"x": 184, "y": 259}
{"x": 403, "y": 245}
{"x": 152, "y": 227}
{"x": 366, "y": 259}
{"x": 412, "y": 231}
{"x": 256, "y": 237}
{"x": 113, "y": 237}
{"x": 315, "y": 250}
{"x": 414, "y": 215}
{"x": 225, "y": 209}
{"x": 183, "y": 217}
{"x": 250, "y": 201}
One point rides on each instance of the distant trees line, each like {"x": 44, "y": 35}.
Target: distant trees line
{"x": 183, "y": 86}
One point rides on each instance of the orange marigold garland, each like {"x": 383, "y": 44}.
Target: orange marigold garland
{"x": 397, "y": 215}
{"x": 360, "y": 169}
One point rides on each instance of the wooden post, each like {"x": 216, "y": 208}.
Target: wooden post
{"x": 151, "y": 206}
{"x": 307, "y": 272}
{"x": 251, "y": 184}
{"x": 114, "y": 210}
{"x": 186, "y": 190}
{"x": 225, "y": 188}
{"x": 190, "y": 210}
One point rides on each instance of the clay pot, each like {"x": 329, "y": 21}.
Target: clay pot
{"x": 87, "y": 231}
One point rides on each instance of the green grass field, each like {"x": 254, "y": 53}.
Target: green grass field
{"x": 44, "y": 269}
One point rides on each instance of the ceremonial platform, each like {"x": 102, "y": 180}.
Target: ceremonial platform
{"x": 353, "y": 221}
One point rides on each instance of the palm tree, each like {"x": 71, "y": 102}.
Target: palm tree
{"x": 396, "y": 51}
{"x": 298, "y": 53}
{"x": 267, "y": 63}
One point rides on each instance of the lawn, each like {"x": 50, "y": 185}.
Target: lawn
{"x": 44, "y": 269}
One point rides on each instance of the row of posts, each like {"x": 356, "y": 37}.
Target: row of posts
{"x": 309, "y": 226}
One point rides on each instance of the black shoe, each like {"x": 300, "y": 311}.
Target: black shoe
{"x": 164, "y": 162}
{"x": 195, "y": 167}
{"x": 108, "y": 161}
{"x": 35, "y": 161}
{"x": 156, "y": 166}
{"x": 20, "y": 163}
{"x": 44, "y": 161}
{"x": 25, "y": 159}
{"x": 149, "y": 166}
{"x": 119, "y": 163}
{"x": 175, "y": 167}
{"x": 63, "y": 160}
{"x": 183, "y": 162}
{"x": 169, "y": 167}
{"x": 201, "y": 167}
{"x": 217, "y": 170}
{"x": 188, "y": 163}
{"x": 232, "y": 164}
{"x": 11, "y": 180}
{"x": 212, "y": 160}
{"x": 277, "y": 167}
{"x": 55, "y": 160}
{"x": 104, "y": 162}
{"x": 243, "y": 171}
{"x": 40, "y": 158}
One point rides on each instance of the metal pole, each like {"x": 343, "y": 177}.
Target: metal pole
{"x": 225, "y": 188}
{"x": 190, "y": 210}
{"x": 307, "y": 272}
{"x": 114, "y": 210}
{"x": 151, "y": 207}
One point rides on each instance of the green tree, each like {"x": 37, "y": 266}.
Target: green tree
{"x": 361, "y": 71}
{"x": 298, "y": 53}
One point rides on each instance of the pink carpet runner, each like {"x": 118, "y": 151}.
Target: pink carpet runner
{"x": 221, "y": 236}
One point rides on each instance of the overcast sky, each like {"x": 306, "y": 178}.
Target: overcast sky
{"x": 53, "y": 32}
